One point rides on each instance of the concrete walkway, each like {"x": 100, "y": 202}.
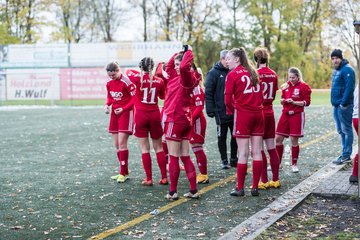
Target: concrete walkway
{"x": 331, "y": 180}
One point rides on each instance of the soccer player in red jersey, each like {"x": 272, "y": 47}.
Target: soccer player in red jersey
{"x": 197, "y": 135}
{"x": 244, "y": 98}
{"x": 147, "y": 117}
{"x": 119, "y": 103}
{"x": 181, "y": 83}
{"x": 269, "y": 81}
{"x": 296, "y": 94}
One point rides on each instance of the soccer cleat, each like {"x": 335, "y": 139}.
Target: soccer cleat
{"x": 274, "y": 184}
{"x": 122, "y": 178}
{"x": 263, "y": 186}
{"x": 353, "y": 179}
{"x": 115, "y": 177}
{"x": 254, "y": 192}
{"x": 202, "y": 178}
{"x": 147, "y": 182}
{"x": 294, "y": 169}
{"x": 192, "y": 195}
{"x": 237, "y": 193}
{"x": 163, "y": 181}
{"x": 172, "y": 197}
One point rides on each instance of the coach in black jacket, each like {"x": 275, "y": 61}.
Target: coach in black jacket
{"x": 215, "y": 107}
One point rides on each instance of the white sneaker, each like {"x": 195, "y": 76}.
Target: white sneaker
{"x": 294, "y": 168}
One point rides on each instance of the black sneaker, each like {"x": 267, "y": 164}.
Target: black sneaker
{"x": 254, "y": 192}
{"x": 225, "y": 164}
{"x": 353, "y": 179}
{"x": 233, "y": 162}
{"x": 237, "y": 193}
{"x": 343, "y": 160}
{"x": 338, "y": 160}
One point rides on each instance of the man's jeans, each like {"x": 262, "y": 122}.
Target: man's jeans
{"x": 343, "y": 120}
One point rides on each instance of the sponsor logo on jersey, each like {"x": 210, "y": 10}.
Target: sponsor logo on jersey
{"x": 237, "y": 132}
{"x": 221, "y": 76}
{"x": 116, "y": 95}
{"x": 296, "y": 91}
{"x": 174, "y": 135}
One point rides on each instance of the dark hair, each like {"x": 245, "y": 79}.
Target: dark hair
{"x": 261, "y": 56}
{"x": 146, "y": 65}
{"x": 246, "y": 63}
{"x": 112, "y": 67}
{"x": 179, "y": 57}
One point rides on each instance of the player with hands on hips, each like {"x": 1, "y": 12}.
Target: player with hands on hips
{"x": 119, "y": 104}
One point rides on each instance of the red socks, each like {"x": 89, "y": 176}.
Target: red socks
{"x": 174, "y": 172}
{"x": 190, "y": 172}
{"x": 264, "y": 175}
{"x": 201, "y": 159}
{"x": 161, "y": 160}
{"x": 241, "y": 174}
{"x": 146, "y": 161}
{"x": 123, "y": 157}
{"x": 294, "y": 154}
{"x": 166, "y": 151}
{"x": 275, "y": 164}
{"x": 355, "y": 171}
{"x": 280, "y": 151}
{"x": 256, "y": 172}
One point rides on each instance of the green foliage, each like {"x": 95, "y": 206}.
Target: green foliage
{"x": 5, "y": 37}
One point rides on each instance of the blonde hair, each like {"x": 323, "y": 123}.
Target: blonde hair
{"x": 246, "y": 63}
{"x": 297, "y": 72}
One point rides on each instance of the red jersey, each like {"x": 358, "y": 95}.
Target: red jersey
{"x": 120, "y": 93}
{"x": 298, "y": 92}
{"x": 179, "y": 87}
{"x": 269, "y": 81}
{"x": 240, "y": 93}
{"x": 146, "y": 97}
{"x": 197, "y": 102}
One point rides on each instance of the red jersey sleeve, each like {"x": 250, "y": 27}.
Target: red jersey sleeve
{"x": 109, "y": 99}
{"x": 306, "y": 95}
{"x": 187, "y": 78}
{"x": 170, "y": 67}
{"x": 228, "y": 94}
{"x": 131, "y": 89}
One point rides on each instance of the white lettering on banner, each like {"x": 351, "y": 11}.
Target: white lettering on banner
{"x": 83, "y": 83}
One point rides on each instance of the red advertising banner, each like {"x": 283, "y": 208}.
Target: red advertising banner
{"x": 83, "y": 83}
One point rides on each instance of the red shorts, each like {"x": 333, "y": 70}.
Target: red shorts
{"x": 122, "y": 123}
{"x": 248, "y": 124}
{"x": 269, "y": 126}
{"x": 148, "y": 121}
{"x": 291, "y": 125}
{"x": 197, "y": 134}
{"x": 177, "y": 132}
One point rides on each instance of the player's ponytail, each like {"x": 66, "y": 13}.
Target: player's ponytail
{"x": 146, "y": 65}
{"x": 246, "y": 63}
